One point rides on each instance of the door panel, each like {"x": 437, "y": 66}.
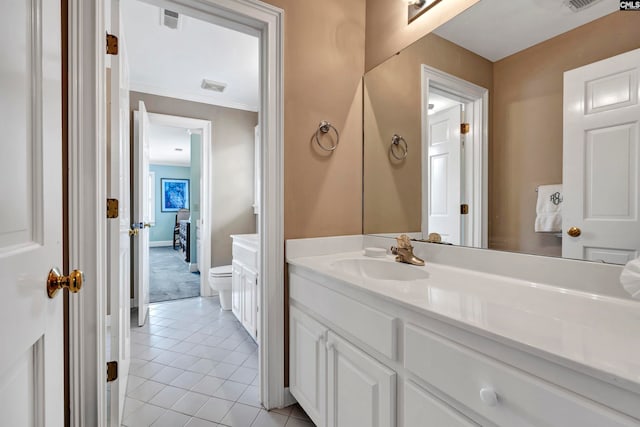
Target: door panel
{"x": 445, "y": 175}
{"x": 601, "y": 160}
{"x": 250, "y": 280}
{"x": 141, "y": 210}
{"x": 31, "y": 386}
{"x": 360, "y": 390}
{"x": 118, "y": 187}
{"x": 308, "y": 370}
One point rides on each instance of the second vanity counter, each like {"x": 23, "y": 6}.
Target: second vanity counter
{"x": 583, "y": 342}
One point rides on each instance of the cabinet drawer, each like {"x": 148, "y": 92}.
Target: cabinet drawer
{"x": 421, "y": 408}
{"x": 246, "y": 255}
{"x": 370, "y": 326}
{"x": 504, "y": 395}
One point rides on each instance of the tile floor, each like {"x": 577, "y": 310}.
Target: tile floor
{"x": 193, "y": 365}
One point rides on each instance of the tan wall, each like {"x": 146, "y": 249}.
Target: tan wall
{"x": 392, "y": 190}
{"x": 324, "y": 63}
{"x": 388, "y": 31}
{"x": 526, "y": 150}
{"x": 232, "y": 166}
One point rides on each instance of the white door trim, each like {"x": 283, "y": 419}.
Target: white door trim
{"x": 205, "y": 127}
{"x": 479, "y": 96}
{"x": 87, "y": 193}
{"x": 87, "y": 211}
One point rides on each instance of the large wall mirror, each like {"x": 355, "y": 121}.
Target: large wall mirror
{"x": 515, "y": 126}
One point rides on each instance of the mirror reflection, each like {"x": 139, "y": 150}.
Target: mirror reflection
{"x": 513, "y": 127}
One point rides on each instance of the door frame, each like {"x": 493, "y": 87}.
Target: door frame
{"x": 479, "y": 143}
{"x": 87, "y": 194}
{"x": 205, "y": 128}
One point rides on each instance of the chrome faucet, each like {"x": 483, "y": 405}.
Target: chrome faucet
{"x": 404, "y": 251}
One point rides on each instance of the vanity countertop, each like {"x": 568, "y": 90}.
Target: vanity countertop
{"x": 592, "y": 333}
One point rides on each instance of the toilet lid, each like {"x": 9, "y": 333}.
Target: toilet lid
{"x": 222, "y": 271}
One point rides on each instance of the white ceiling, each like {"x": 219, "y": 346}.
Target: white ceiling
{"x": 172, "y": 63}
{"x": 163, "y": 141}
{"x": 495, "y": 29}
{"x": 440, "y": 103}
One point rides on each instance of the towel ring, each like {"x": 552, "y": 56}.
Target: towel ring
{"x": 325, "y": 127}
{"x": 402, "y": 147}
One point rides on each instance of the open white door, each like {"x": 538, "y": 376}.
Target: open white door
{"x": 141, "y": 210}
{"x": 444, "y": 178}
{"x": 31, "y": 323}
{"x": 601, "y": 164}
{"x": 119, "y": 242}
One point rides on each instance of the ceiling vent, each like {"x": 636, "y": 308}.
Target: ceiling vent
{"x": 214, "y": 86}
{"x": 578, "y": 5}
{"x": 170, "y": 19}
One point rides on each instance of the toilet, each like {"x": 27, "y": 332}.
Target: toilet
{"x": 220, "y": 281}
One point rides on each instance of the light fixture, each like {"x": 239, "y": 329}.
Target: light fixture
{"x": 416, "y": 8}
{"x": 213, "y": 85}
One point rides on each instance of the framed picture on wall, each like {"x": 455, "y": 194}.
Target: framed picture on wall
{"x": 174, "y": 193}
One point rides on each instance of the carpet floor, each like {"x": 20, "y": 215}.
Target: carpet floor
{"x": 169, "y": 276}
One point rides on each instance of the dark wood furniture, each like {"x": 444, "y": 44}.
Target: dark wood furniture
{"x": 185, "y": 237}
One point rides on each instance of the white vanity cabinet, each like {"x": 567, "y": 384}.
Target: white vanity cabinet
{"x": 336, "y": 383}
{"x": 360, "y": 359}
{"x": 245, "y": 284}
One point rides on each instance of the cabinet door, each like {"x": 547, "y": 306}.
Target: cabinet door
{"x": 307, "y": 364}
{"x": 421, "y": 408}
{"x": 360, "y": 390}
{"x": 249, "y": 302}
{"x": 236, "y": 290}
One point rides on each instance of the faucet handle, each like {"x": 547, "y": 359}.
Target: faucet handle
{"x": 404, "y": 242}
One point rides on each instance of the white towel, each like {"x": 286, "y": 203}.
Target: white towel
{"x": 630, "y": 278}
{"x": 549, "y": 209}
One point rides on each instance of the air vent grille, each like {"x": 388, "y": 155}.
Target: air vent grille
{"x": 170, "y": 19}
{"x": 578, "y": 5}
{"x": 212, "y": 85}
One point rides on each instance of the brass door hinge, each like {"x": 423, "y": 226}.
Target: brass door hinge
{"x": 464, "y": 209}
{"x": 112, "y": 371}
{"x": 112, "y": 208}
{"x": 464, "y": 128}
{"x": 112, "y": 44}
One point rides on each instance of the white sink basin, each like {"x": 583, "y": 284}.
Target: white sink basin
{"x": 379, "y": 269}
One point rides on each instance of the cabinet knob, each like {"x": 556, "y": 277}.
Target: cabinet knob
{"x": 488, "y": 396}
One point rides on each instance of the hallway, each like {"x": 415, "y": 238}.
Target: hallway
{"x": 194, "y": 365}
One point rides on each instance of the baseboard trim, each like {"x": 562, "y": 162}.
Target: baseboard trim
{"x": 160, "y": 243}
{"x": 193, "y": 267}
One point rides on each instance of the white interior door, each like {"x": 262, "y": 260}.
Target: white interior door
{"x": 601, "y": 160}
{"x": 444, "y": 178}
{"x": 119, "y": 254}
{"x": 31, "y": 324}
{"x": 141, "y": 210}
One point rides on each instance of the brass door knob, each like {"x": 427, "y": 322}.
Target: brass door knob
{"x": 574, "y": 232}
{"x": 56, "y": 281}
{"x": 133, "y": 232}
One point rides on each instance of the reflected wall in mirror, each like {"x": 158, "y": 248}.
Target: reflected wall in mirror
{"x": 519, "y": 52}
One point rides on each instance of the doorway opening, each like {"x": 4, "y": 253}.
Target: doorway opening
{"x": 182, "y": 66}
{"x": 455, "y": 154}
{"x": 175, "y": 185}
{"x": 229, "y": 187}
